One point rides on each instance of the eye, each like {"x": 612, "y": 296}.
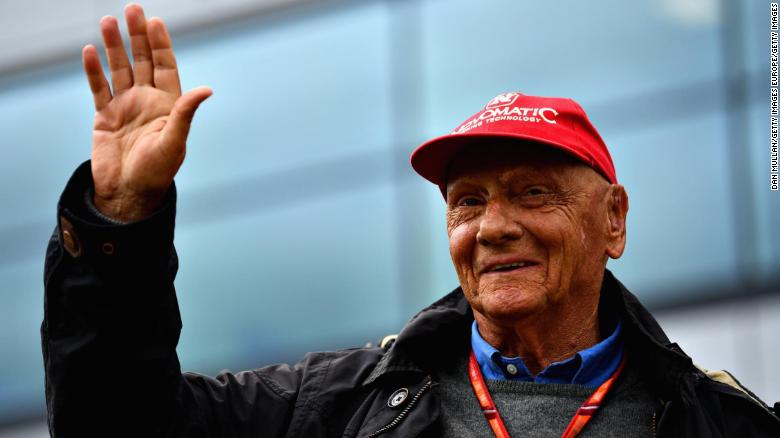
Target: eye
{"x": 469, "y": 202}
{"x": 535, "y": 191}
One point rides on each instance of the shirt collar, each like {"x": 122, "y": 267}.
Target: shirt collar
{"x": 590, "y": 367}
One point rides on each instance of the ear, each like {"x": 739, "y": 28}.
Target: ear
{"x": 617, "y": 210}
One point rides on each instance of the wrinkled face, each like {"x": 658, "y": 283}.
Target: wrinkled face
{"x": 529, "y": 228}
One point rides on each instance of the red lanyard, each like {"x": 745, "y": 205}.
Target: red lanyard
{"x": 581, "y": 418}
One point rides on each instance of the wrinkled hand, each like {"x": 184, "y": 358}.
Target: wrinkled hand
{"x": 140, "y": 130}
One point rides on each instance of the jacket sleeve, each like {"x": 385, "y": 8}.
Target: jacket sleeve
{"x": 109, "y": 334}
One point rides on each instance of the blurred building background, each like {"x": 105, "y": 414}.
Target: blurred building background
{"x": 301, "y": 225}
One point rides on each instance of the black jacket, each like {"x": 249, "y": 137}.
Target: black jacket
{"x": 112, "y": 323}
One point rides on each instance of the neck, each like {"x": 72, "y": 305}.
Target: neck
{"x": 541, "y": 339}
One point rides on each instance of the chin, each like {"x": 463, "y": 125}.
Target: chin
{"x": 511, "y": 303}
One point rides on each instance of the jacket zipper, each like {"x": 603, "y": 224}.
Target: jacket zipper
{"x": 654, "y": 425}
{"x": 403, "y": 413}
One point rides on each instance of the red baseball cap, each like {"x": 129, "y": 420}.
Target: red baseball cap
{"x": 554, "y": 121}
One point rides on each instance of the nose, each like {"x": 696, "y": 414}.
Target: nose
{"x": 498, "y": 225}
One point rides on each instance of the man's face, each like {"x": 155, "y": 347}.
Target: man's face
{"x": 529, "y": 228}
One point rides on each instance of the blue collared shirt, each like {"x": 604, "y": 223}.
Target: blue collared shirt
{"x": 589, "y": 367}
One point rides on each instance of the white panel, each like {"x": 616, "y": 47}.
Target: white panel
{"x": 769, "y": 312}
{"x": 33, "y": 32}
{"x": 705, "y": 334}
{"x": 37, "y": 430}
{"x": 740, "y": 337}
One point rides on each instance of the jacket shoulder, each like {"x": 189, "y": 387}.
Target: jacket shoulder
{"x": 320, "y": 371}
{"x": 726, "y": 378}
{"x": 733, "y": 406}
{"x": 326, "y": 388}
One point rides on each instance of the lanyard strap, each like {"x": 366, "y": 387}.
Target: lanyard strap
{"x": 581, "y": 418}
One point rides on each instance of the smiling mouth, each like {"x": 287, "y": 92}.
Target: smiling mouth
{"x": 506, "y": 267}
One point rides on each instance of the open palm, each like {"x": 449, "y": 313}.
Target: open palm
{"x": 142, "y": 120}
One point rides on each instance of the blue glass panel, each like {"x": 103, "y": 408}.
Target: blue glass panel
{"x": 596, "y": 50}
{"x": 21, "y": 360}
{"x": 288, "y": 95}
{"x": 279, "y": 283}
{"x": 680, "y": 220}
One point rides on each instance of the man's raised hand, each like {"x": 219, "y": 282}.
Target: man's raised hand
{"x": 142, "y": 120}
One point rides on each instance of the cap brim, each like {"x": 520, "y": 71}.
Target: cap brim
{"x": 431, "y": 159}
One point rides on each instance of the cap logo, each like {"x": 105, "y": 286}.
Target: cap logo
{"x": 512, "y": 114}
{"x": 504, "y": 99}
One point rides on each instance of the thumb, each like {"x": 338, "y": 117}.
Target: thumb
{"x": 183, "y": 111}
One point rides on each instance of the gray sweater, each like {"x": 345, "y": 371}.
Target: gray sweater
{"x": 544, "y": 410}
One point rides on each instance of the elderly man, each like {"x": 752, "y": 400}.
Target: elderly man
{"x": 539, "y": 340}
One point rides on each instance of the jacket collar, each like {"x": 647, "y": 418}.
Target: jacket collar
{"x": 440, "y": 333}
{"x": 435, "y": 334}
